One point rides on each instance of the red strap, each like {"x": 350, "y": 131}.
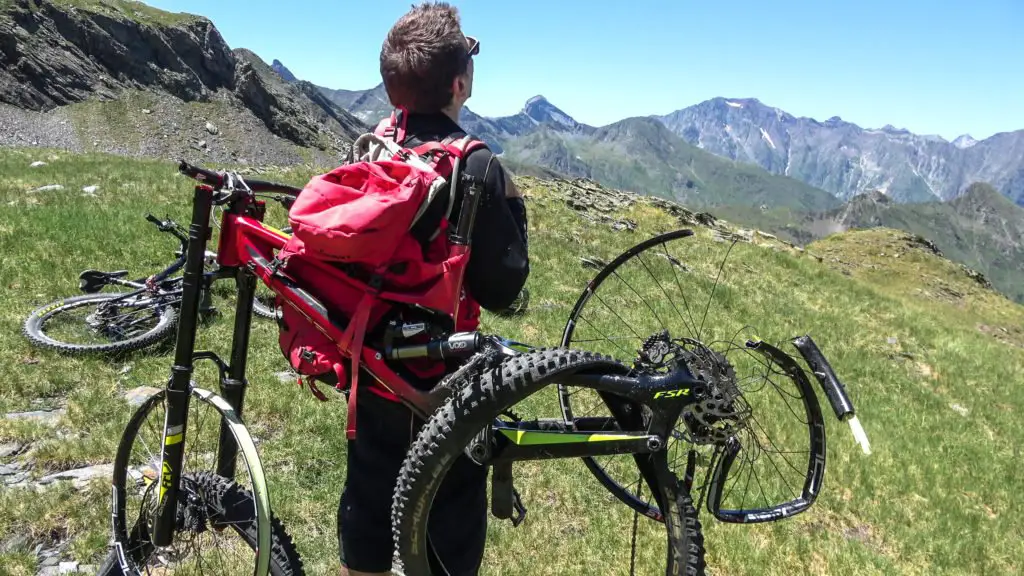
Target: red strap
{"x": 382, "y": 128}
{"x": 428, "y": 147}
{"x": 312, "y": 388}
{"x": 353, "y": 341}
{"x": 392, "y": 127}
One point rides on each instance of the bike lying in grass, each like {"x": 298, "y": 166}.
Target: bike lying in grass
{"x": 667, "y": 397}
{"x": 116, "y": 322}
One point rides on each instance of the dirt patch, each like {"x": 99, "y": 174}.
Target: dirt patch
{"x": 850, "y": 528}
{"x": 927, "y": 371}
{"x": 1009, "y": 336}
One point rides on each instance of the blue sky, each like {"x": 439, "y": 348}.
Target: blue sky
{"x": 943, "y": 67}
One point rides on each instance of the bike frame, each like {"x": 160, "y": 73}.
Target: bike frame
{"x": 246, "y": 251}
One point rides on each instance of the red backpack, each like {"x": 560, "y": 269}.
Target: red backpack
{"x": 352, "y": 247}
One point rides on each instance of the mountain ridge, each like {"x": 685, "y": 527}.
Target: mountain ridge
{"x": 846, "y": 159}
{"x": 133, "y": 79}
{"x": 835, "y": 155}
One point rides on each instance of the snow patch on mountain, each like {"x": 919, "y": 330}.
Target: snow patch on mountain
{"x": 734, "y": 104}
{"x": 768, "y": 138}
{"x": 964, "y": 141}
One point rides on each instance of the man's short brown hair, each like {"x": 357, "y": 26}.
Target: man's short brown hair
{"x": 421, "y": 57}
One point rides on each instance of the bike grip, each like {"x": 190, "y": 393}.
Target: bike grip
{"x": 200, "y": 174}
{"x": 154, "y": 219}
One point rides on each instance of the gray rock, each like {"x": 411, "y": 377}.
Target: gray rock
{"x": 211, "y": 128}
{"x": 80, "y": 477}
{"x": 18, "y": 480}
{"x": 90, "y": 189}
{"x": 55, "y": 53}
{"x": 136, "y": 396}
{"x": 37, "y": 164}
{"x": 48, "y": 188}
{"x": 67, "y": 568}
{"x": 48, "y": 417}
{"x": 15, "y": 543}
{"x": 49, "y": 561}
{"x": 9, "y": 469}
{"x": 10, "y": 449}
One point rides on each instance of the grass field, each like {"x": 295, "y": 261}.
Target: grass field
{"x": 935, "y": 374}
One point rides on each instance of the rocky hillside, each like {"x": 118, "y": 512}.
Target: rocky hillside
{"x": 120, "y": 76}
{"x": 845, "y": 159}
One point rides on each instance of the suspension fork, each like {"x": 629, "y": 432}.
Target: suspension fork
{"x": 233, "y": 386}
{"x": 180, "y": 383}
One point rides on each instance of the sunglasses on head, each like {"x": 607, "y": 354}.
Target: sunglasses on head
{"x": 474, "y": 46}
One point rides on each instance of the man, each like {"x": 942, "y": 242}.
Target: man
{"x": 427, "y": 66}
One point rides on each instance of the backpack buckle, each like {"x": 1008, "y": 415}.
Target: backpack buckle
{"x": 376, "y": 282}
{"x": 275, "y": 265}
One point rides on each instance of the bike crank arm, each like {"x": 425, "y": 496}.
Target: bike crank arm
{"x": 833, "y": 388}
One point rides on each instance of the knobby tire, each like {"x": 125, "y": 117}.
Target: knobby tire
{"x": 478, "y": 402}
{"x": 33, "y": 327}
{"x": 220, "y": 492}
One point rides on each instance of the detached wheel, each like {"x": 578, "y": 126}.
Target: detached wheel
{"x": 105, "y": 322}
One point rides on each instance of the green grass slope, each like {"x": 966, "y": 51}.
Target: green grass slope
{"x": 117, "y": 9}
{"x": 935, "y": 379}
{"x": 981, "y": 229}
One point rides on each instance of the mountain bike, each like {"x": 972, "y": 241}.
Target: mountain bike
{"x": 669, "y": 391}
{"x": 115, "y": 322}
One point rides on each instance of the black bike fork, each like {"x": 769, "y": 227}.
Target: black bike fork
{"x": 180, "y": 384}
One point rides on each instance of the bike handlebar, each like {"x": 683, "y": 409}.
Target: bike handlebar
{"x": 217, "y": 180}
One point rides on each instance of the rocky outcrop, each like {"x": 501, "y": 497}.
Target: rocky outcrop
{"x": 52, "y": 54}
{"x": 55, "y": 53}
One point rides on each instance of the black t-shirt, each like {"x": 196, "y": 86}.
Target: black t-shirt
{"x": 499, "y": 262}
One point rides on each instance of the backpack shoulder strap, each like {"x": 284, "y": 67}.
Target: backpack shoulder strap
{"x": 393, "y": 127}
{"x": 459, "y": 149}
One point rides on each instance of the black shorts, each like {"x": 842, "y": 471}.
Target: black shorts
{"x": 458, "y": 519}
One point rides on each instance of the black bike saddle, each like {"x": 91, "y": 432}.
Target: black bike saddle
{"x": 91, "y": 281}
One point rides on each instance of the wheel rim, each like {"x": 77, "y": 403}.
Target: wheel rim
{"x": 203, "y": 522}
{"x": 112, "y": 320}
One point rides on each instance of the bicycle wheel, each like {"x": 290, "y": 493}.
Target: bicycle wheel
{"x": 109, "y": 322}
{"x": 462, "y": 417}
{"x": 264, "y": 302}
{"x": 209, "y": 503}
{"x": 772, "y": 442}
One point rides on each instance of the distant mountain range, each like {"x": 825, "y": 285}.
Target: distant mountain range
{"x": 845, "y": 159}
{"x": 836, "y": 156}
{"x": 765, "y": 167}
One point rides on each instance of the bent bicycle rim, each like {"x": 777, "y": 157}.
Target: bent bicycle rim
{"x": 677, "y": 287}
